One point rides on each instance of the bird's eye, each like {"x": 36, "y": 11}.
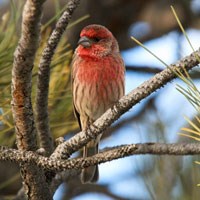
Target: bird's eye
{"x": 96, "y": 39}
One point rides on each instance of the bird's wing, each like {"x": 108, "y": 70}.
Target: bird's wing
{"x": 76, "y": 113}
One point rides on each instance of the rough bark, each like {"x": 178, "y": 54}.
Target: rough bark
{"x": 35, "y": 186}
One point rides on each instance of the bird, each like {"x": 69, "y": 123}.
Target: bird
{"x": 98, "y": 82}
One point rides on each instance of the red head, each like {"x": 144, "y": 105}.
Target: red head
{"x": 96, "y": 41}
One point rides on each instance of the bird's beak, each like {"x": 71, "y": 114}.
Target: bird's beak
{"x": 85, "y": 42}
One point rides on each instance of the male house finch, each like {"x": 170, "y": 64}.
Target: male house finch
{"x": 97, "y": 83}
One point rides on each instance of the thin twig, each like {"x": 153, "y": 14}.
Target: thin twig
{"x": 43, "y": 78}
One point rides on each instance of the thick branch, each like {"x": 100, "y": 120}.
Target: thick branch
{"x": 21, "y": 76}
{"x": 19, "y": 156}
{"x": 21, "y": 97}
{"x": 43, "y": 77}
{"x": 65, "y": 149}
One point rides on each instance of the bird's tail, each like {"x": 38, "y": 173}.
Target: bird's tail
{"x": 90, "y": 174}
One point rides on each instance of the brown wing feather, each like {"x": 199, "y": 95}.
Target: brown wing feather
{"x": 76, "y": 113}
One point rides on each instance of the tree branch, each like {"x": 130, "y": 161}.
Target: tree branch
{"x": 72, "y": 191}
{"x": 143, "y": 69}
{"x": 109, "y": 154}
{"x": 35, "y": 185}
{"x": 65, "y": 149}
{"x": 43, "y": 78}
{"x": 61, "y": 177}
{"x": 195, "y": 74}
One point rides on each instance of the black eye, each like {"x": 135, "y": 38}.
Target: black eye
{"x": 96, "y": 39}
